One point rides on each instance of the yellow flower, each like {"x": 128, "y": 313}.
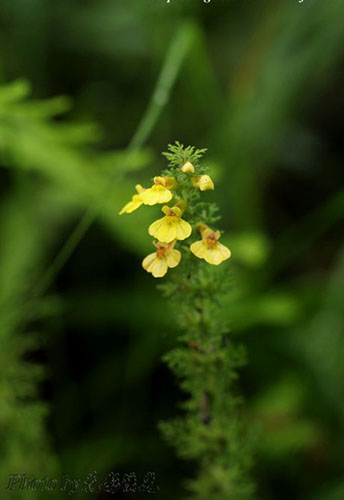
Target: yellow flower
{"x": 158, "y": 262}
{"x": 171, "y": 227}
{"x": 209, "y": 248}
{"x": 135, "y": 202}
{"x": 159, "y": 192}
{"x": 203, "y": 182}
{"x": 188, "y": 168}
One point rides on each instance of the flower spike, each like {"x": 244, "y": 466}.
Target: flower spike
{"x": 178, "y": 184}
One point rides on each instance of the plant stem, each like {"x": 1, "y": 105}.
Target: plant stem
{"x": 176, "y": 54}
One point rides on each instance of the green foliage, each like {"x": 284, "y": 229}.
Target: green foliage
{"x": 178, "y": 155}
{"x": 23, "y": 413}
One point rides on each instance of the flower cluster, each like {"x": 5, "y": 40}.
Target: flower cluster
{"x": 179, "y": 194}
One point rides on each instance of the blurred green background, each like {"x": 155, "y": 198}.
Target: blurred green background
{"x": 260, "y": 84}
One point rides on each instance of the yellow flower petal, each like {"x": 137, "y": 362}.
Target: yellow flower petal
{"x": 173, "y": 258}
{"x": 132, "y": 205}
{"x": 148, "y": 261}
{"x": 213, "y": 256}
{"x": 155, "y": 226}
{"x": 226, "y": 253}
{"x": 159, "y": 267}
{"x": 183, "y": 230}
{"x": 167, "y": 182}
{"x": 198, "y": 248}
{"x": 155, "y": 265}
{"x": 156, "y": 194}
{"x": 172, "y": 210}
{"x": 165, "y": 256}
{"x": 170, "y": 228}
{"x": 164, "y": 229}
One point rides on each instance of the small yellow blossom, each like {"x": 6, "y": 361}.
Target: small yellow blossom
{"x": 159, "y": 192}
{"x": 135, "y": 202}
{"x": 203, "y": 182}
{"x": 168, "y": 182}
{"x": 209, "y": 248}
{"x": 158, "y": 262}
{"x": 188, "y": 168}
{"x": 171, "y": 227}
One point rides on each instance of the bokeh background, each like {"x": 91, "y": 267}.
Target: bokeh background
{"x": 260, "y": 84}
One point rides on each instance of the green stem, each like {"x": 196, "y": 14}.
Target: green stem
{"x": 177, "y": 51}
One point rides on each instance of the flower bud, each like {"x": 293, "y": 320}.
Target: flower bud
{"x": 167, "y": 182}
{"x": 188, "y": 168}
{"x": 203, "y": 182}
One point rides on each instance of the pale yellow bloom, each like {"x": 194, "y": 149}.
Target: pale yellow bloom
{"x": 188, "y": 168}
{"x": 159, "y": 192}
{"x": 203, "y": 182}
{"x": 209, "y": 248}
{"x": 171, "y": 227}
{"x": 158, "y": 262}
{"x": 168, "y": 182}
{"x": 135, "y": 202}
